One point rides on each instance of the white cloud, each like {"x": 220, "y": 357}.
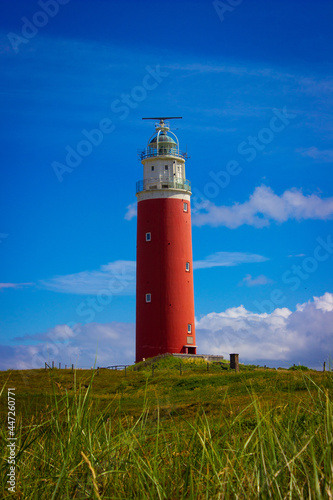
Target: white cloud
{"x": 131, "y": 211}
{"x": 83, "y": 345}
{"x": 117, "y": 278}
{"x": 13, "y": 285}
{"x": 304, "y": 336}
{"x": 222, "y": 259}
{"x": 301, "y": 83}
{"x": 268, "y": 72}
{"x": 259, "y": 280}
{"x": 315, "y": 86}
{"x": 263, "y": 207}
{"x": 325, "y": 303}
{"x": 325, "y": 155}
{"x": 283, "y": 337}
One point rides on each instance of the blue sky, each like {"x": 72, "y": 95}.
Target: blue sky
{"x": 253, "y": 81}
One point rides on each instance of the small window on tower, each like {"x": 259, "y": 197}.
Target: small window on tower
{"x": 189, "y": 328}
{"x": 148, "y": 236}
{"x": 148, "y": 297}
{"x": 187, "y": 267}
{"x": 185, "y": 207}
{"x": 152, "y": 168}
{"x": 166, "y": 167}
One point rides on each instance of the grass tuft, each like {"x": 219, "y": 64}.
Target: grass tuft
{"x": 198, "y": 435}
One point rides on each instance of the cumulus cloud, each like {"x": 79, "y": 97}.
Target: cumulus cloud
{"x": 83, "y": 345}
{"x": 259, "y": 280}
{"x": 325, "y": 303}
{"x": 263, "y": 207}
{"x": 115, "y": 278}
{"x": 283, "y": 337}
{"x": 131, "y": 211}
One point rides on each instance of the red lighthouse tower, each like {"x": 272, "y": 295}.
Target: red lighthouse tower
{"x": 164, "y": 289}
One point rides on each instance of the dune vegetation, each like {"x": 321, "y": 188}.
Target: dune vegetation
{"x": 171, "y": 430}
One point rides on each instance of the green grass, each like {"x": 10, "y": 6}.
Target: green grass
{"x": 200, "y": 435}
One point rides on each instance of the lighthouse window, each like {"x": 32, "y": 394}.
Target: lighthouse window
{"x": 166, "y": 167}
{"x": 185, "y": 207}
{"x": 148, "y": 297}
{"x": 148, "y": 236}
{"x": 187, "y": 267}
{"x": 189, "y": 328}
{"x": 152, "y": 168}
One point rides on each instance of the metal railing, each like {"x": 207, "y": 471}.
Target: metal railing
{"x": 163, "y": 183}
{"x": 161, "y": 151}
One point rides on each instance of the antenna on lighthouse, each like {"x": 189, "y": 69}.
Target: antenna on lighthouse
{"x": 162, "y": 125}
{"x": 162, "y": 118}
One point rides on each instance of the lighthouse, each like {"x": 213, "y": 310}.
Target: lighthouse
{"x": 164, "y": 285}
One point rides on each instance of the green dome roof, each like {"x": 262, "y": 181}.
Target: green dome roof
{"x": 164, "y": 139}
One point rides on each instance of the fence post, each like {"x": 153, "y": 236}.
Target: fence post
{"x": 234, "y": 362}
{"x": 152, "y": 370}
{"x": 125, "y": 370}
{"x": 45, "y": 365}
{"x": 72, "y": 368}
{"x": 59, "y": 366}
{"x": 52, "y": 364}
{"x": 207, "y": 366}
{"x": 180, "y": 368}
{"x": 324, "y": 366}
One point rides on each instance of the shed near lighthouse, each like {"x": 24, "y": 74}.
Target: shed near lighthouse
{"x": 164, "y": 287}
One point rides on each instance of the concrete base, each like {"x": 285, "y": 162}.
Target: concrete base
{"x": 207, "y": 357}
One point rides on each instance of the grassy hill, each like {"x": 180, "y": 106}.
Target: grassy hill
{"x": 170, "y": 429}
